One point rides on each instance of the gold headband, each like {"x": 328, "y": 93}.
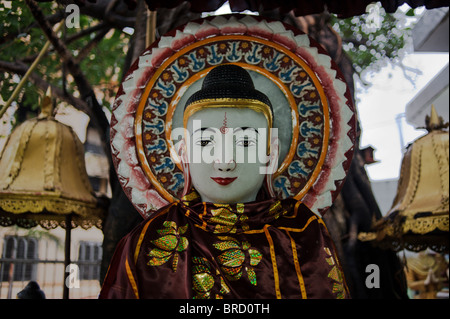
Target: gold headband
{"x": 252, "y": 104}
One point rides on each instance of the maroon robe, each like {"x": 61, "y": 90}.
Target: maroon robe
{"x": 191, "y": 249}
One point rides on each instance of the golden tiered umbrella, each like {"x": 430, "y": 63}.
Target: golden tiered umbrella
{"x": 419, "y": 216}
{"x": 43, "y": 178}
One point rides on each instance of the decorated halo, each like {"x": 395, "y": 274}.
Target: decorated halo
{"x": 313, "y": 109}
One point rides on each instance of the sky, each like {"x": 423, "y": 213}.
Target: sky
{"x": 379, "y": 105}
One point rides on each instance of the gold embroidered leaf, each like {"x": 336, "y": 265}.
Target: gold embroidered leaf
{"x": 183, "y": 244}
{"x": 232, "y": 273}
{"x": 201, "y": 260}
{"x": 232, "y": 258}
{"x": 339, "y": 289}
{"x": 158, "y": 253}
{"x": 175, "y": 262}
{"x": 158, "y": 261}
{"x": 255, "y": 256}
{"x": 223, "y": 287}
{"x": 251, "y": 275}
{"x": 221, "y": 229}
{"x": 225, "y": 245}
{"x": 197, "y": 269}
{"x": 170, "y": 224}
{"x": 228, "y": 238}
{"x": 166, "y": 231}
{"x": 223, "y": 216}
{"x": 240, "y": 208}
{"x": 203, "y": 282}
{"x": 335, "y": 274}
{"x": 330, "y": 261}
{"x": 169, "y": 228}
{"x": 182, "y": 229}
{"x": 168, "y": 242}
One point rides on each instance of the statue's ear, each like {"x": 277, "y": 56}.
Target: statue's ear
{"x": 272, "y": 165}
{"x": 184, "y": 158}
{"x": 273, "y": 156}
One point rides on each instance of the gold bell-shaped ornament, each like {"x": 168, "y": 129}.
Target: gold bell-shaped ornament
{"x": 419, "y": 216}
{"x": 43, "y": 177}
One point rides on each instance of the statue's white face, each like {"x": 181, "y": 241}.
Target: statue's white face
{"x": 227, "y": 153}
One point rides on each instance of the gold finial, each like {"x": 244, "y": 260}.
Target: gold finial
{"x": 434, "y": 121}
{"x": 46, "y": 104}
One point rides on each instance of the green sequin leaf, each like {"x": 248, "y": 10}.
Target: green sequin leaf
{"x": 203, "y": 282}
{"x": 232, "y": 273}
{"x": 169, "y": 228}
{"x": 182, "y": 229}
{"x": 223, "y": 287}
{"x": 158, "y": 261}
{"x": 255, "y": 256}
{"x": 183, "y": 244}
{"x": 225, "y": 245}
{"x": 224, "y": 238}
{"x": 166, "y": 231}
{"x": 175, "y": 262}
{"x": 197, "y": 269}
{"x": 168, "y": 242}
{"x": 158, "y": 253}
{"x": 232, "y": 258}
{"x": 251, "y": 275}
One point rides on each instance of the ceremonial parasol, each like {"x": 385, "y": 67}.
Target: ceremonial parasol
{"x": 43, "y": 179}
{"x": 419, "y": 216}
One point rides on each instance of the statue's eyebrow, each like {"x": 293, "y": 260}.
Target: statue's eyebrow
{"x": 202, "y": 129}
{"x": 243, "y": 128}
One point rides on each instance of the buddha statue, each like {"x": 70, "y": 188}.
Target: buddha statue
{"x": 229, "y": 236}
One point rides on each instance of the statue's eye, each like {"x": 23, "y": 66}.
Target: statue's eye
{"x": 246, "y": 142}
{"x": 205, "y": 142}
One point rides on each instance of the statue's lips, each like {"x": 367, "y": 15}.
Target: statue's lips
{"x": 223, "y": 181}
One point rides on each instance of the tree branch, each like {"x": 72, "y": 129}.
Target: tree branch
{"x": 85, "y": 51}
{"x": 85, "y": 89}
{"x": 86, "y": 31}
{"x": 116, "y": 14}
{"x": 21, "y": 68}
{"x": 72, "y": 38}
{"x": 52, "y": 19}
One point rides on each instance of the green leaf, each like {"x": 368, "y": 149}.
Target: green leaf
{"x": 410, "y": 13}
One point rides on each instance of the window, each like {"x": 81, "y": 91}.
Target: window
{"x": 24, "y": 252}
{"x": 89, "y": 258}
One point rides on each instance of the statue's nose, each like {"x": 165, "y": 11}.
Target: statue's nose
{"x": 225, "y": 167}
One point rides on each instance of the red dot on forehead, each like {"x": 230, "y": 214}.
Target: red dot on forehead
{"x": 224, "y": 128}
